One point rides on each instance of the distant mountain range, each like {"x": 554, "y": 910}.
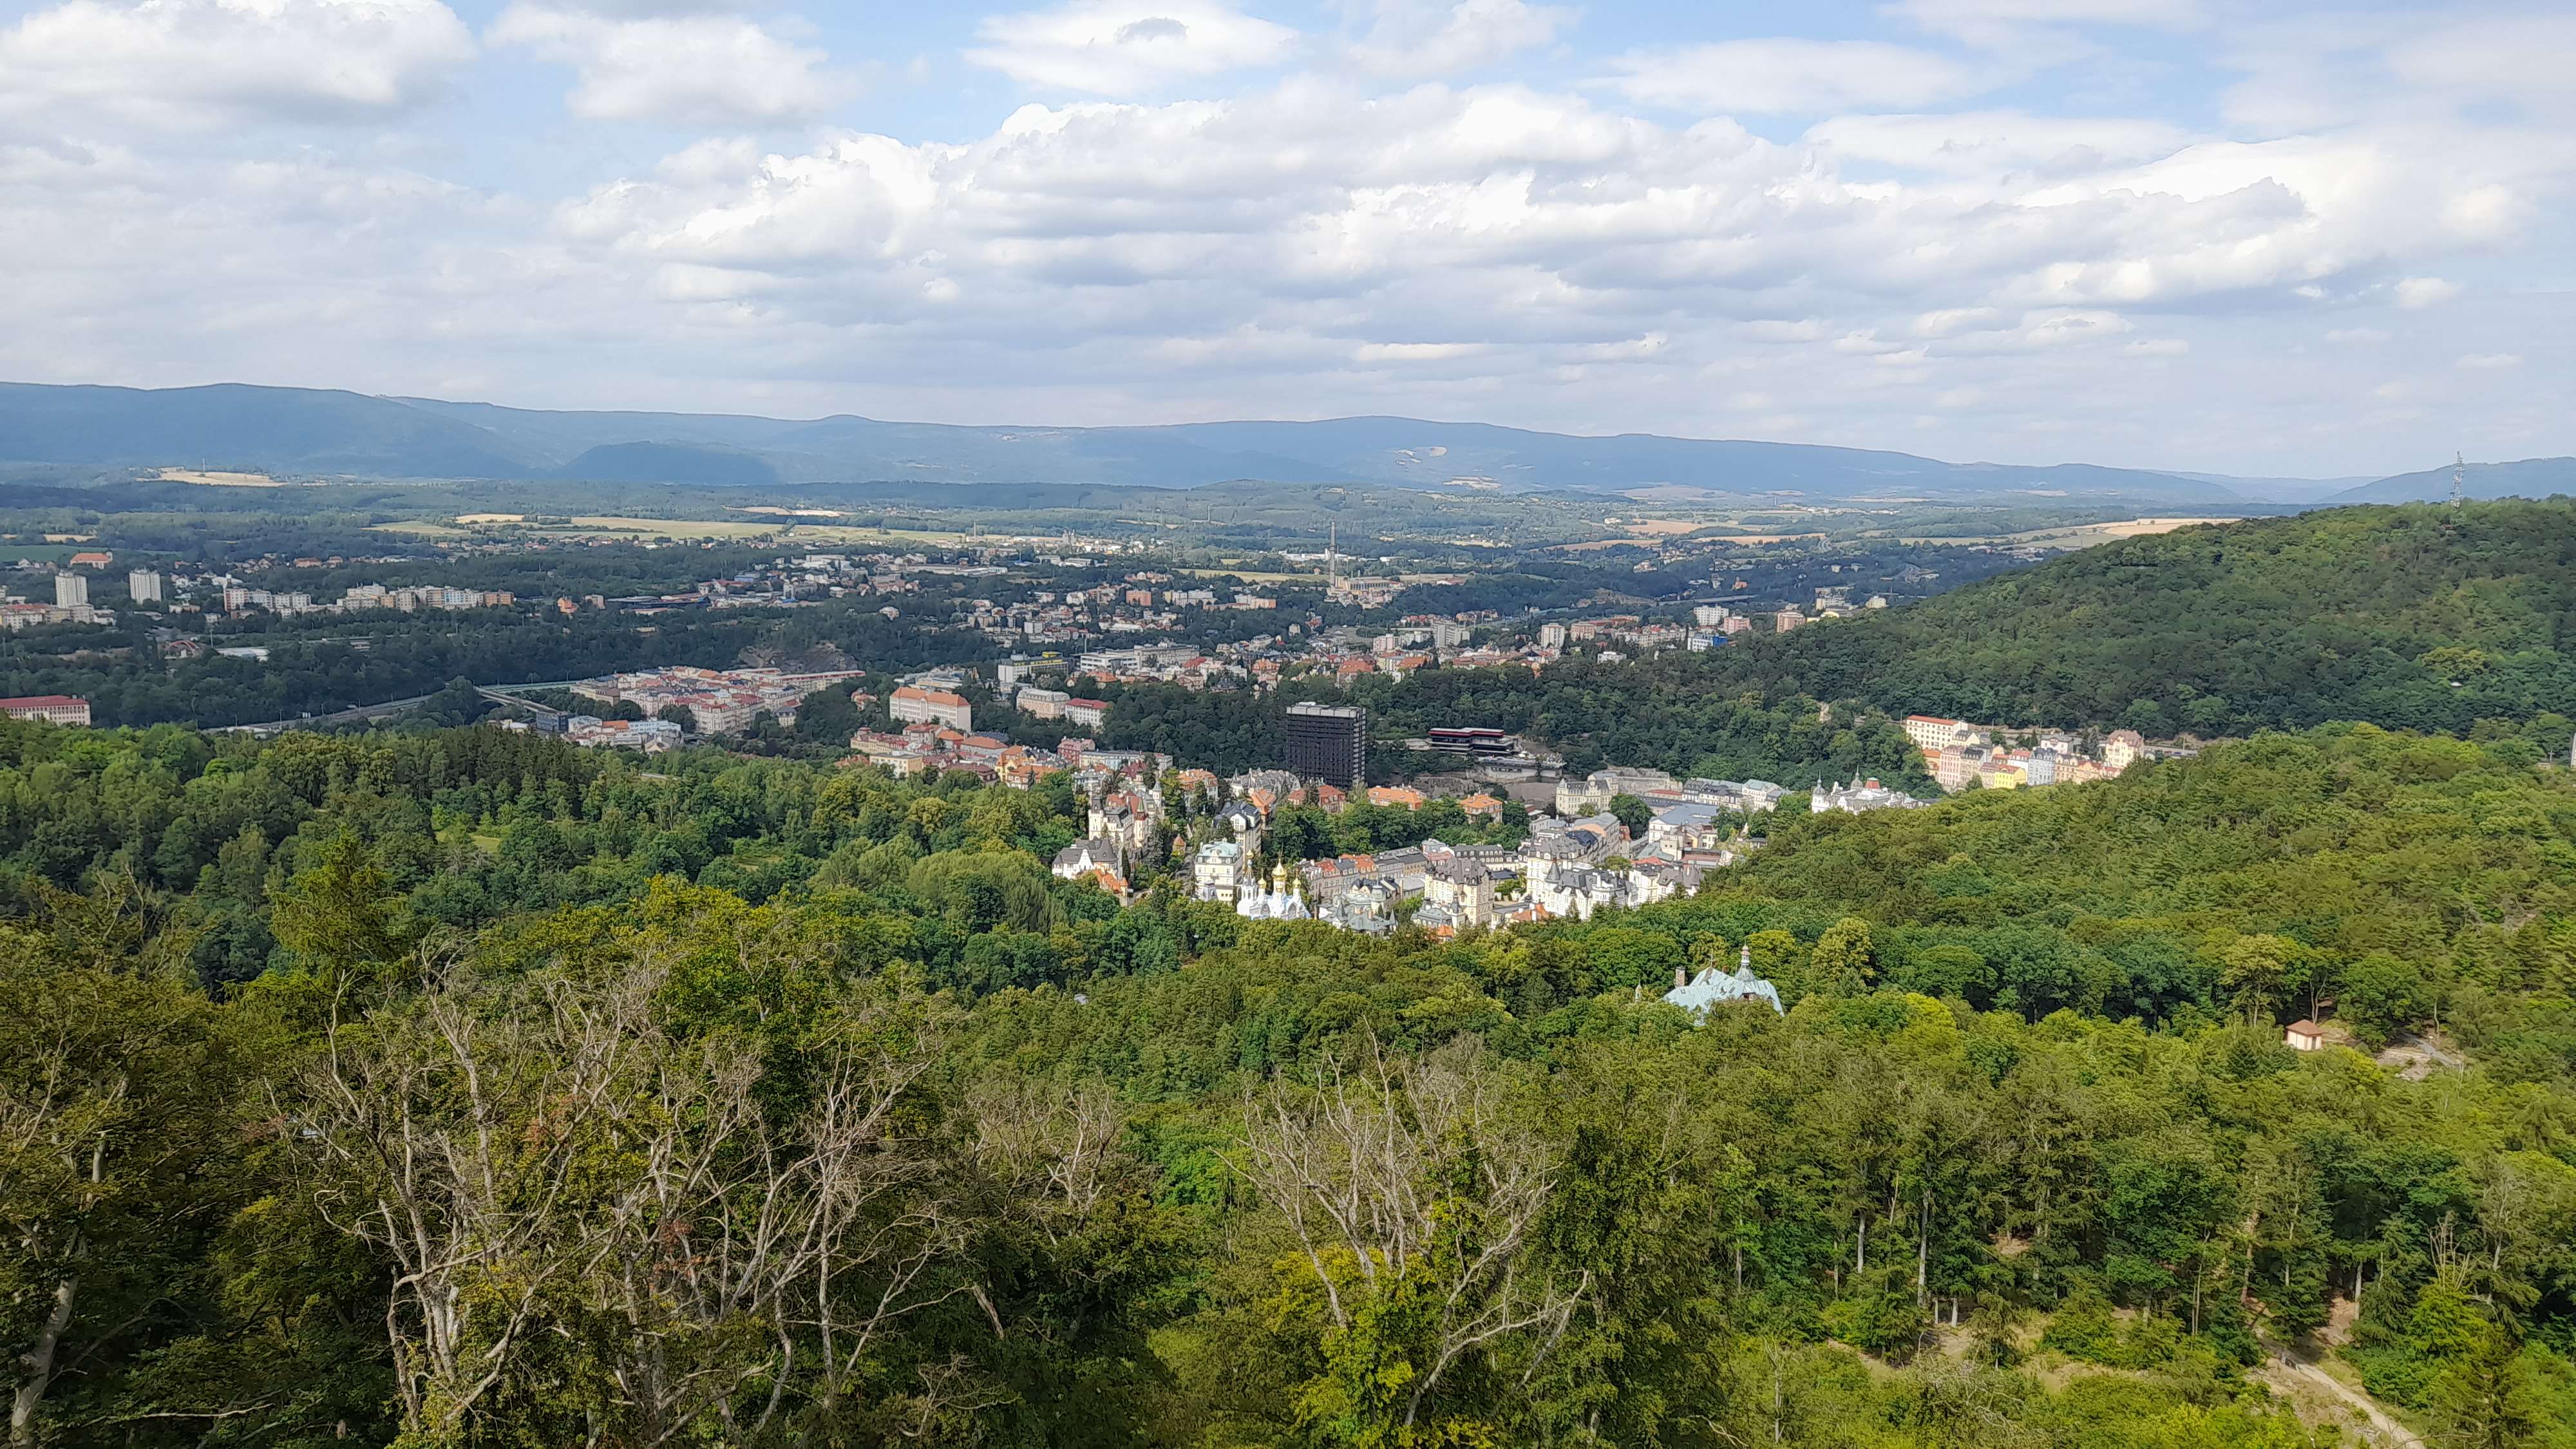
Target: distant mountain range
{"x": 297, "y": 432}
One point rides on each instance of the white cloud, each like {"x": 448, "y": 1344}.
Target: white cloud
{"x": 117, "y": 279}
{"x": 2067, "y": 327}
{"x": 1776, "y": 77}
{"x": 1493, "y": 235}
{"x": 2517, "y": 58}
{"x": 1324, "y": 243}
{"x": 1864, "y": 344}
{"x": 2417, "y": 293}
{"x": 2489, "y": 361}
{"x": 1127, "y": 47}
{"x": 1985, "y": 142}
{"x": 1375, "y": 352}
{"x": 1436, "y": 37}
{"x": 1770, "y": 330}
{"x": 1953, "y": 14}
{"x": 2046, "y": 30}
{"x": 1950, "y": 321}
{"x": 183, "y": 62}
{"x": 715, "y": 69}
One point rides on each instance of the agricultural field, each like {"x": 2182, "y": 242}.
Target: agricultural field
{"x": 676, "y": 530}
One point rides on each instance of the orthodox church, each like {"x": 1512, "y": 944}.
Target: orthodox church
{"x": 1279, "y": 903}
{"x": 1697, "y": 994}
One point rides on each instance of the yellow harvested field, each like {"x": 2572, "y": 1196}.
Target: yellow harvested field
{"x": 2129, "y": 528}
{"x": 1663, "y": 527}
{"x": 1746, "y": 538}
{"x": 1250, "y": 576}
{"x": 2086, "y": 535}
{"x": 219, "y": 480}
{"x": 669, "y": 527}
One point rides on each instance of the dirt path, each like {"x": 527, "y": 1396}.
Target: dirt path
{"x": 2383, "y": 1429}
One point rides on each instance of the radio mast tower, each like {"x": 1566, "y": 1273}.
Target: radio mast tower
{"x": 1333, "y": 559}
{"x": 2459, "y": 479}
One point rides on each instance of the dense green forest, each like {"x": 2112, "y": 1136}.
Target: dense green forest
{"x": 363, "y": 659}
{"x": 2417, "y": 617}
{"x": 1671, "y": 711}
{"x": 459, "y": 1088}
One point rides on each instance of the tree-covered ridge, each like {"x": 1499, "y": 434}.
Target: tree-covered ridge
{"x": 2418, "y": 617}
{"x": 539, "y": 1098}
{"x": 316, "y": 668}
{"x": 1674, "y": 711}
{"x": 2407, "y": 876}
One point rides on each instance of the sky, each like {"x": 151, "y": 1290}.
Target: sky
{"x": 2267, "y": 239}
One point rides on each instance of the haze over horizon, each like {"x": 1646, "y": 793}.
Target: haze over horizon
{"x": 2164, "y": 234}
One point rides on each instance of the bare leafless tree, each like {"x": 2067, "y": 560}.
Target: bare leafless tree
{"x": 549, "y": 1157}
{"x": 1054, "y": 1147}
{"x": 1399, "y": 1176}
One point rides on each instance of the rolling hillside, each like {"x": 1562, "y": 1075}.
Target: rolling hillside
{"x": 2418, "y": 617}
{"x": 2529, "y": 478}
{"x": 308, "y": 433}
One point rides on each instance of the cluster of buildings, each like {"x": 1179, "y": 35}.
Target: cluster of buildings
{"x": 1660, "y": 792}
{"x": 721, "y": 701}
{"x": 242, "y": 599}
{"x": 652, "y": 736}
{"x": 923, "y": 747}
{"x": 1959, "y": 754}
{"x": 1142, "y": 604}
{"x": 71, "y": 589}
{"x": 1051, "y": 704}
{"x": 1562, "y": 870}
{"x": 1860, "y": 797}
{"x": 1306, "y": 647}
{"x": 1301, "y": 648}
{"x": 786, "y": 583}
{"x": 71, "y": 605}
{"x": 1566, "y": 869}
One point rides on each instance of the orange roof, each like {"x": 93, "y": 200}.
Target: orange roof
{"x": 938, "y": 697}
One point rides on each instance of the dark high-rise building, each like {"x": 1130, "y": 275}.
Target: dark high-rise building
{"x": 1328, "y": 743}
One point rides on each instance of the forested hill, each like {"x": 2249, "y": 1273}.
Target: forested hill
{"x": 2420, "y": 617}
{"x": 462, "y": 1089}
